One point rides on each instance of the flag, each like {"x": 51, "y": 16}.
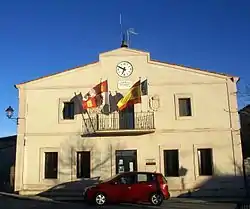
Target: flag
{"x": 97, "y": 96}
{"x": 132, "y": 97}
{"x": 144, "y": 87}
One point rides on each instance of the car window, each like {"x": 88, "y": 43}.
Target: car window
{"x": 126, "y": 179}
{"x": 145, "y": 177}
{"x": 141, "y": 177}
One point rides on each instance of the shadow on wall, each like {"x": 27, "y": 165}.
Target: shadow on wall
{"x": 69, "y": 189}
{"x": 70, "y": 185}
{"x": 106, "y": 109}
{"x": 218, "y": 185}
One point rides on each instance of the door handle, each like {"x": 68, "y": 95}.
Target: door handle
{"x": 150, "y": 185}
{"x": 129, "y": 187}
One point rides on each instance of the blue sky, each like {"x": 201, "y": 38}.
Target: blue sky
{"x": 42, "y": 37}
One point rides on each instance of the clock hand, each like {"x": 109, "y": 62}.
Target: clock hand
{"x": 123, "y": 69}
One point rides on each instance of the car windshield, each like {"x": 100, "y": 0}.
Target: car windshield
{"x": 111, "y": 178}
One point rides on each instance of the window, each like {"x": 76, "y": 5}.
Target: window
{"x": 171, "y": 163}
{"x": 126, "y": 179}
{"x": 205, "y": 161}
{"x": 68, "y": 111}
{"x": 83, "y": 164}
{"x": 185, "y": 107}
{"x": 145, "y": 177}
{"x": 51, "y": 165}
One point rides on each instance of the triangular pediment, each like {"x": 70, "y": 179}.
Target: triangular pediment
{"x": 123, "y": 51}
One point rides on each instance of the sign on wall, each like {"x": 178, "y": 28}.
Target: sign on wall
{"x": 124, "y": 84}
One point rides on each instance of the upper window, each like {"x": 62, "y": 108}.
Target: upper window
{"x": 68, "y": 110}
{"x": 185, "y": 107}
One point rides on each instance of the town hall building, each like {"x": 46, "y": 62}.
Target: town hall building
{"x": 183, "y": 124}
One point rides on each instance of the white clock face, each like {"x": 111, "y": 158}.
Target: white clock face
{"x": 124, "y": 69}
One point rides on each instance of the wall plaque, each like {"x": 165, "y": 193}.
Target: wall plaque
{"x": 125, "y": 84}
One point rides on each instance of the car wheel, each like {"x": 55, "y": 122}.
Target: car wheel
{"x": 100, "y": 199}
{"x": 156, "y": 199}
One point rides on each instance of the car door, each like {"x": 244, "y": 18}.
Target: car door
{"x": 144, "y": 186}
{"x": 116, "y": 190}
{"x": 126, "y": 182}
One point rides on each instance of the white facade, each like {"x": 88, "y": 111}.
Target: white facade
{"x": 213, "y": 125}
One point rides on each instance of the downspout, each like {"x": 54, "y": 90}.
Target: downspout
{"x": 231, "y": 127}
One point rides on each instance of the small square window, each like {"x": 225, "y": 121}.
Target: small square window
{"x": 185, "y": 107}
{"x": 68, "y": 111}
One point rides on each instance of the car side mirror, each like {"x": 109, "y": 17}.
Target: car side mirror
{"x": 114, "y": 182}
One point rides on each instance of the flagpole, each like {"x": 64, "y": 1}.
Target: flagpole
{"x": 147, "y": 95}
{"x": 140, "y": 92}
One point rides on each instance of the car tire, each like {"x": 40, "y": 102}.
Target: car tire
{"x": 156, "y": 199}
{"x": 100, "y": 199}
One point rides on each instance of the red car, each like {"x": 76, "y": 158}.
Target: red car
{"x": 129, "y": 187}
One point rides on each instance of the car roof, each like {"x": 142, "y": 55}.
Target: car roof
{"x": 139, "y": 172}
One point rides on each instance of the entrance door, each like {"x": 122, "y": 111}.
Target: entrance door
{"x": 126, "y": 160}
{"x": 126, "y": 118}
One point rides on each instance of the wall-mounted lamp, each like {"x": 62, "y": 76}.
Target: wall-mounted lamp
{"x": 9, "y": 113}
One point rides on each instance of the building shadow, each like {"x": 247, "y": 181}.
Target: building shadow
{"x": 7, "y": 165}
{"x": 69, "y": 190}
{"x": 223, "y": 186}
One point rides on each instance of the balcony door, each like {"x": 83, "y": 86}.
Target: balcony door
{"x": 127, "y": 118}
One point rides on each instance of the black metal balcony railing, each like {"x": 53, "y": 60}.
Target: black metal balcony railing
{"x": 120, "y": 121}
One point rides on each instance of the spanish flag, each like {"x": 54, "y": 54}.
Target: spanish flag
{"x": 132, "y": 97}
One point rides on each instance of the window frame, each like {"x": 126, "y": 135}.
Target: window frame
{"x": 165, "y": 163}
{"x": 42, "y": 152}
{"x": 60, "y": 111}
{"x": 78, "y": 151}
{"x": 74, "y": 161}
{"x": 177, "y": 106}
{"x": 198, "y": 161}
{"x": 46, "y": 166}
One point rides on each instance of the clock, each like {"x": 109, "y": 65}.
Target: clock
{"x": 124, "y": 69}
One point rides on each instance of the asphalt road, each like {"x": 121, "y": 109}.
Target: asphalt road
{"x": 14, "y": 203}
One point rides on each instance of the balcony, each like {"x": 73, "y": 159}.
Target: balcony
{"x": 119, "y": 124}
